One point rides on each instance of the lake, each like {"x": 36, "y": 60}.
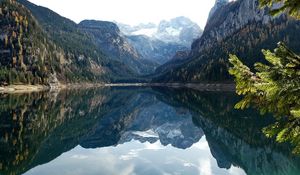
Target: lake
{"x": 137, "y": 131}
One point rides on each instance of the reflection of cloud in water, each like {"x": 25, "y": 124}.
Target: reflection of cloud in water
{"x": 134, "y": 153}
{"x": 201, "y": 145}
{"x": 131, "y": 154}
{"x": 154, "y": 146}
{"x": 188, "y": 165}
{"x": 79, "y": 156}
{"x": 136, "y": 158}
{"x": 205, "y": 167}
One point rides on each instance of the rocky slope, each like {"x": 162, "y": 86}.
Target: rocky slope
{"x": 141, "y": 29}
{"x": 161, "y": 42}
{"x": 28, "y": 55}
{"x": 153, "y": 49}
{"x": 218, "y": 4}
{"x": 38, "y": 46}
{"x": 108, "y": 37}
{"x": 177, "y": 59}
{"x": 179, "y": 30}
{"x": 239, "y": 27}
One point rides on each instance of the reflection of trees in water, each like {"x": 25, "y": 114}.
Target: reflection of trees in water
{"x": 219, "y": 108}
{"x": 37, "y": 128}
{"x": 235, "y": 137}
{"x": 27, "y": 121}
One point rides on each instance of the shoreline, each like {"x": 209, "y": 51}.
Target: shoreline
{"x": 11, "y": 89}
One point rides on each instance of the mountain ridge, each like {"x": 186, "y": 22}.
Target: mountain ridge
{"x": 161, "y": 42}
{"x": 232, "y": 30}
{"x": 107, "y": 36}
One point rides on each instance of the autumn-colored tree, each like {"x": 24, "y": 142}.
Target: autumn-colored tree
{"x": 5, "y": 41}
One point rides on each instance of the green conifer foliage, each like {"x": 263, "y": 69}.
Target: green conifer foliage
{"x": 274, "y": 88}
{"x": 292, "y": 7}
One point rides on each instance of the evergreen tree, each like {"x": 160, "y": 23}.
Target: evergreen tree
{"x": 274, "y": 87}
{"x": 292, "y": 7}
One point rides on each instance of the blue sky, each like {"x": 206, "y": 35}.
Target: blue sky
{"x": 130, "y": 11}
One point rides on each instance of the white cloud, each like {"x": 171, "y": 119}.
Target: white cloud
{"x": 130, "y": 11}
{"x": 205, "y": 167}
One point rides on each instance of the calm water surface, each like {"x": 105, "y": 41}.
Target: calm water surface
{"x": 136, "y": 131}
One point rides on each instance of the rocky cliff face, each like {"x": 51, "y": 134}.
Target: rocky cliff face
{"x": 241, "y": 28}
{"x": 108, "y": 37}
{"x": 179, "y": 30}
{"x": 161, "y": 42}
{"x": 142, "y": 29}
{"x": 230, "y": 18}
{"x": 218, "y": 4}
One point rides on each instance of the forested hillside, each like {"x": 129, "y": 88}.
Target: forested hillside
{"x": 37, "y": 46}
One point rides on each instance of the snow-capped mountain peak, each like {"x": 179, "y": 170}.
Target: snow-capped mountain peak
{"x": 180, "y": 30}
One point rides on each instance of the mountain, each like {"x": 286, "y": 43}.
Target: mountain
{"x": 108, "y": 37}
{"x": 84, "y": 39}
{"x": 177, "y": 59}
{"x": 154, "y": 49}
{"x": 61, "y": 29}
{"x": 23, "y": 53}
{"x": 39, "y": 46}
{"x": 160, "y": 43}
{"x": 179, "y": 30}
{"x": 239, "y": 27}
{"x": 141, "y": 29}
{"x": 218, "y": 4}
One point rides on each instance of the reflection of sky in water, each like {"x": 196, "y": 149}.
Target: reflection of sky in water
{"x": 134, "y": 158}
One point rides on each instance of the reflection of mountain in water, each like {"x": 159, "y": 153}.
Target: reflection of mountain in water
{"x": 145, "y": 119}
{"x": 170, "y": 126}
{"x": 235, "y": 137}
{"x": 37, "y": 128}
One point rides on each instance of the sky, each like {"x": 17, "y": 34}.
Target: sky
{"x": 130, "y": 12}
